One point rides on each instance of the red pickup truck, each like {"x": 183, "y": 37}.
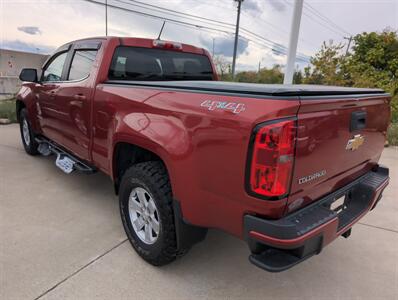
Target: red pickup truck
{"x": 288, "y": 168}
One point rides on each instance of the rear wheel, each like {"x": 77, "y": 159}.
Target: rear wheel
{"x": 28, "y": 138}
{"x": 147, "y": 212}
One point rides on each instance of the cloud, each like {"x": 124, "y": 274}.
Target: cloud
{"x": 251, "y": 5}
{"x": 26, "y": 47}
{"x": 33, "y": 30}
{"x": 225, "y": 46}
{"x": 277, "y": 5}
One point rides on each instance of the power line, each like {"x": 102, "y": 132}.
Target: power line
{"x": 259, "y": 20}
{"x": 327, "y": 23}
{"x": 265, "y": 42}
{"x": 158, "y": 17}
{"x": 192, "y": 25}
{"x": 324, "y": 25}
{"x": 272, "y": 44}
{"x": 326, "y": 19}
{"x": 266, "y": 22}
{"x": 192, "y": 17}
{"x": 216, "y": 5}
{"x": 176, "y": 12}
{"x": 277, "y": 51}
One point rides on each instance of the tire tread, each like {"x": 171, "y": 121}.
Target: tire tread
{"x": 156, "y": 176}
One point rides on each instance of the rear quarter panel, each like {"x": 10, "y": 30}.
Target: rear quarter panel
{"x": 204, "y": 150}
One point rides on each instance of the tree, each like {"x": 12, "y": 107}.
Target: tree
{"x": 265, "y": 75}
{"x": 326, "y": 66}
{"x": 298, "y": 77}
{"x": 372, "y": 62}
{"x": 223, "y": 66}
{"x": 273, "y": 75}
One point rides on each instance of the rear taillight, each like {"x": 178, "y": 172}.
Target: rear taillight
{"x": 271, "y": 161}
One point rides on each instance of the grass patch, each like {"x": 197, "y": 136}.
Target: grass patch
{"x": 7, "y": 110}
{"x": 392, "y": 134}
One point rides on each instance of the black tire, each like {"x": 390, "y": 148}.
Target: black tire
{"x": 29, "y": 145}
{"x": 151, "y": 176}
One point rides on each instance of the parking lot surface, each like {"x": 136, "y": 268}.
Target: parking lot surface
{"x": 62, "y": 238}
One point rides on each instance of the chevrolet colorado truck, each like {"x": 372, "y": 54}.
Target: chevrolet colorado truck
{"x": 287, "y": 168}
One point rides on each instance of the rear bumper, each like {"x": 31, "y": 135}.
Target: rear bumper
{"x": 280, "y": 244}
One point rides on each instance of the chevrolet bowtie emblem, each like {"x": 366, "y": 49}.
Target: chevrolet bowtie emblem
{"x": 355, "y": 142}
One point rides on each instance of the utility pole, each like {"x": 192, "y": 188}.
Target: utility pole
{"x": 236, "y": 37}
{"x": 259, "y": 66}
{"x": 106, "y": 17}
{"x": 213, "y": 45}
{"x": 349, "y": 44}
{"x": 294, "y": 34}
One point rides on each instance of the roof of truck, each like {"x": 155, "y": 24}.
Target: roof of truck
{"x": 255, "y": 88}
{"x": 137, "y": 42}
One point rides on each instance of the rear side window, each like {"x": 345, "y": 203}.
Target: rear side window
{"x": 81, "y": 64}
{"x": 132, "y": 63}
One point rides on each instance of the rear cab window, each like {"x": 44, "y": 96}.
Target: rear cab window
{"x": 133, "y": 63}
{"x": 81, "y": 64}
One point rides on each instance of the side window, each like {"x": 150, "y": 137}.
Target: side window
{"x": 119, "y": 69}
{"x": 53, "y": 71}
{"x": 81, "y": 64}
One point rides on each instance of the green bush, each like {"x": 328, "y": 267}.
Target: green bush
{"x": 392, "y": 134}
{"x": 7, "y": 110}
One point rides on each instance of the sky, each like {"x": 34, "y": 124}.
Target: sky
{"x": 41, "y": 26}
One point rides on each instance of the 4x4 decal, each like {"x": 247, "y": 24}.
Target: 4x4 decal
{"x": 236, "y": 108}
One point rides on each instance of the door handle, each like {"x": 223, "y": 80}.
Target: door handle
{"x": 358, "y": 120}
{"x": 79, "y": 97}
{"x": 52, "y": 94}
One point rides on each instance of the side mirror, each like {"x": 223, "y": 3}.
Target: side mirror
{"x": 29, "y": 75}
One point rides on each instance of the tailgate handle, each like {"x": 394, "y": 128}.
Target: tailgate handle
{"x": 358, "y": 120}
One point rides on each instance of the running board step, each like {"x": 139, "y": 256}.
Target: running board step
{"x": 66, "y": 164}
{"x": 276, "y": 260}
{"x": 65, "y": 161}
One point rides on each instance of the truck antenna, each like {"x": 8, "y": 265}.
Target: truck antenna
{"x": 161, "y": 30}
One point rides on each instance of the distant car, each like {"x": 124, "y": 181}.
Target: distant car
{"x": 288, "y": 168}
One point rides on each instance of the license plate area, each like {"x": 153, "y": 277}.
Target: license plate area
{"x": 349, "y": 205}
{"x": 338, "y": 205}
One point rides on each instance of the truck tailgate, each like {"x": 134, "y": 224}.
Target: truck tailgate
{"x": 339, "y": 138}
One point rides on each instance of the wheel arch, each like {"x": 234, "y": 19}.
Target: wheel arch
{"x": 19, "y": 104}
{"x": 127, "y": 153}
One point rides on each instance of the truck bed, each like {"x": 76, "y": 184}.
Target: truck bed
{"x": 253, "y": 88}
{"x": 323, "y": 114}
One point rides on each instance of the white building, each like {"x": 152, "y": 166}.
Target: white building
{"x": 11, "y": 64}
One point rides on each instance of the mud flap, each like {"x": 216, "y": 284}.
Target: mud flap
{"x": 187, "y": 234}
